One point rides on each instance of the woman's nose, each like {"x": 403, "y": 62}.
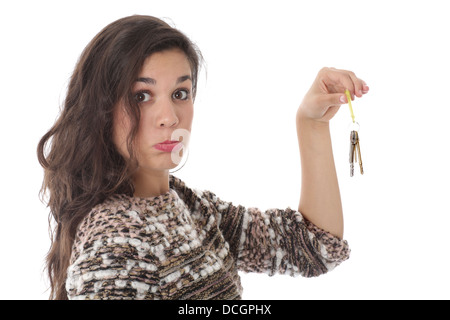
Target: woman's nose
{"x": 166, "y": 115}
{"x": 168, "y": 124}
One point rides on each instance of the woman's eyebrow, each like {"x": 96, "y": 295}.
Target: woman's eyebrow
{"x": 153, "y": 81}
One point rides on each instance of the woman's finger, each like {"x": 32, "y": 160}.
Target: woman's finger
{"x": 365, "y": 87}
{"x": 337, "y": 81}
{"x": 344, "y": 79}
{"x": 357, "y": 84}
{"x": 347, "y": 82}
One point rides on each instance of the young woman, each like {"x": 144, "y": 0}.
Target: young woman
{"x": 125, "y": 228}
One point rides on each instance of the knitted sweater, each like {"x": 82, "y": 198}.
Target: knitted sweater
{"x": 189, "y": 244}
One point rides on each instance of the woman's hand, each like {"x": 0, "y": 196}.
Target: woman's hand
{"x": 320, "y": 199}
{"x": 327, "y": 93}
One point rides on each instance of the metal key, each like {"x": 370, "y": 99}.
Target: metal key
{"x": 359, "y": 154}
{"x": 353, "y": 157}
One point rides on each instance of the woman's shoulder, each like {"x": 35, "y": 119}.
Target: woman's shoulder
{"x": 115, "y": 217}
{"x": 114, "y": 210}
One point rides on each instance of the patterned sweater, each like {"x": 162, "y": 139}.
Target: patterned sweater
{"x": 189, "y": 244}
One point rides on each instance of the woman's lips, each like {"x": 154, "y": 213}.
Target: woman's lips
{"x": 169, "y": 146}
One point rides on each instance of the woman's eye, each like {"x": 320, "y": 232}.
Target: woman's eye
{"x": 142, "y": 97}
{"x": 181, "y": 94}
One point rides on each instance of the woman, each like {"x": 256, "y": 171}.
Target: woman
{"x": 125, "y": 227}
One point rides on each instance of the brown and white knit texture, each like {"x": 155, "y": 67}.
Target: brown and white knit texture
{"x": 189, "y": 244}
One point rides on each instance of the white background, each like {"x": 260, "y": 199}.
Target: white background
{"x": 261, "y": 57}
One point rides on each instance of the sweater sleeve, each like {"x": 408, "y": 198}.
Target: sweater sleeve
{"x": 111, "y": 259}
{"x": 278, "y": 241}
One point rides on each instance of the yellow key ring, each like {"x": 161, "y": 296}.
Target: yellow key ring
{"x": 349, "y": 99}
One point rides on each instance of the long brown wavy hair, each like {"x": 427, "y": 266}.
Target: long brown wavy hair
{"x": 81, "y": 164}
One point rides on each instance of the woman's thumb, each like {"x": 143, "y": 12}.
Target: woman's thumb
{"x": 331, "y": 99}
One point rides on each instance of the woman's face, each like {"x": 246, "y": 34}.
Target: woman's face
{"x": 164, "y": 92}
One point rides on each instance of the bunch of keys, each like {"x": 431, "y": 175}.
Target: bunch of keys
{"x": 354, "y": 157}
{"x": 355, "y": 150}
